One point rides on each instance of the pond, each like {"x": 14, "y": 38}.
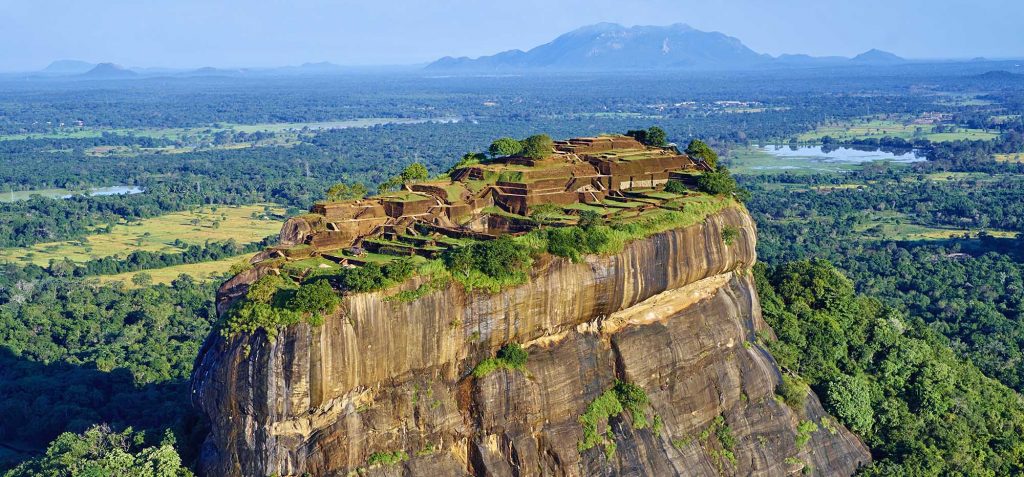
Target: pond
{"x": 112, "y": 190}
{"x": 808, "y": 158}
{"x": 13, "y": 196}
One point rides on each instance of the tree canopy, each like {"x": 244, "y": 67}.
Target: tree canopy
{"x": 700, "y": 151}
{"x": 538, "y": 146}
{"x": 505, "y": 146}
{"x": 894, "y": 381}
{"x": 652, "y": 136}
{"x": 343, "y": 191}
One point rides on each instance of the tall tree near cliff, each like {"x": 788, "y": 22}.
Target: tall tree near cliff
{"x": 656, "y": 137}
{"x": 699, "y": 150}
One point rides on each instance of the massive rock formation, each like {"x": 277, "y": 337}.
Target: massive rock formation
{"x": 676, "y": 314}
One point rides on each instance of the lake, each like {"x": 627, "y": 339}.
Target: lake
{"x": 807, "y": 158}
{"x": 65, "y": 193}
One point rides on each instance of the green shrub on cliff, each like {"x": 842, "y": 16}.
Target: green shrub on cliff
{"x": 623, "y": 396}
{"x": 268, "y": 306}
{"x": 373, "y": 276}
{"x": 676, "y": 187}
{"x": 490, "y": 265}
{"x": 575, "y": 242}
{"x": 316, "y": 299}
{"x": 793, "y": 391}
{"x": 721, "y": 182}
{"x": 505, "y": 146}
{"x": 387, "y": 458}
{"x": 729, "y": 234}
{"x": 510, "y": 356}
{"x": 538, "y": 146}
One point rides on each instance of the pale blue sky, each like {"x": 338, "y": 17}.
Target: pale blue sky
{"x": 194, "y": 33}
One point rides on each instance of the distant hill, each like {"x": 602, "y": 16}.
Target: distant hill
{"x": 609, "y": 46}
{"x": 612, "y": 47}
{"x": 109, "y": 71}
{"x": 1000, "y": 75}
{"x": 68, "y": 67}
{"x": 877, "y": 57}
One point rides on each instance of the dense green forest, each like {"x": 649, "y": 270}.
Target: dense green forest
{"x": 917, "y": 351}
{"x": 76, "y": 353}
{"x": 888, "y": 377}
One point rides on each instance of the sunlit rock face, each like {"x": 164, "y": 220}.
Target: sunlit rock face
{"x": 675, "y": 314}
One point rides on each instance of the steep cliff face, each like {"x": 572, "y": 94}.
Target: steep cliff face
{"x": 675, "y": 314}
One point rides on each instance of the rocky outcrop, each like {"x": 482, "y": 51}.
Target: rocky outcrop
{"x": 676, "y": 314}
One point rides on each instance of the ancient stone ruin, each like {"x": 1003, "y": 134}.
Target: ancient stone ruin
{"x": 611, "y": 175}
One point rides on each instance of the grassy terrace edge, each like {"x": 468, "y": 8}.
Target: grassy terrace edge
{"x": 274, "y": 302}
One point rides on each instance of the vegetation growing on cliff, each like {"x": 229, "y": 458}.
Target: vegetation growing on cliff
{"x": 922, "y": 410}
{"x": 623, "y": 396}
{"x": 490, "y": 265}
{"x": 724, "y": 451}
{"x": 273, "y": 302}
{"x": 387, "y": 458}
{"x": 511, "y": 356}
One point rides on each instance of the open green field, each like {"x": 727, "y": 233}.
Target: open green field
{"x": 159, "y": 234}
{"x": 1013, "y": 158}
{"x": 14, "y": 196}
{"x": 898, "y": 226}
{"x": 879, "y": 128}
{"x": 181, "y": 133}
{"x": 199, "y": 271}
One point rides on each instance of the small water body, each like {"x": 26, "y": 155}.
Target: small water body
{"x": 67, "y": 194}
{"x": 841, "y": 155}
{"x": 112, "y": 190}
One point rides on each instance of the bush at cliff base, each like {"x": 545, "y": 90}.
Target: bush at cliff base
{"x": 103, "y": 452}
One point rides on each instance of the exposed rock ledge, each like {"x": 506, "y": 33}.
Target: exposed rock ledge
{"x": 674, "y": 314}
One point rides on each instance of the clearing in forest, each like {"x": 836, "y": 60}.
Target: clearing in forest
{"x": 245, "y": 224}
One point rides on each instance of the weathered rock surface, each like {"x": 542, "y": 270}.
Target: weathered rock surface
{"x": 675, "y": 314}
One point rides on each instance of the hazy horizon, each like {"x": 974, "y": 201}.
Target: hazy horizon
{"x": 271, "y": 33}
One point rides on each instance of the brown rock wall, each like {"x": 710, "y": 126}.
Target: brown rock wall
{"x": 670, "y": 313}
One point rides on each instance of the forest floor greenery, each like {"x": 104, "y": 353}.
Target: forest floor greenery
{"x": 244, "y": 224}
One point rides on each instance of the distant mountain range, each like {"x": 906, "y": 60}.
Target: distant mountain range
{"x": 74, "y": 69}
{"x": 606, "y": 47}
{"x": 613, "y": 47}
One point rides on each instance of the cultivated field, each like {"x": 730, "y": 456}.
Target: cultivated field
{"x": 159, "y": 234}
